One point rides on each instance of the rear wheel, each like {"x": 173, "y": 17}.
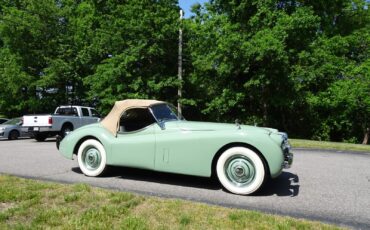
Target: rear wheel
{"x": 40, "y": 137}
{"x": 240, "y": 170}
{"x": 13, "y": 135}
{"x": 92, "y": 158}
{"x": 67, "y": 128}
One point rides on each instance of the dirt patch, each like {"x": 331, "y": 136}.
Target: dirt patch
{"x": 5, "y": 206}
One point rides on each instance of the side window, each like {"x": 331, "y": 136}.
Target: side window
{"x": 85, "y": 112}
{"x": 135, "y": 119}
{"x": 94, "y": 113}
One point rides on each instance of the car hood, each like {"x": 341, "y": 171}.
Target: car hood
{"x": 211, "y": 126}
{"x": 7, "y": 126}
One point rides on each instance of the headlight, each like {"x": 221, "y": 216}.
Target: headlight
{"x": 2, "y": 128}
{"x": 285, "y": 146}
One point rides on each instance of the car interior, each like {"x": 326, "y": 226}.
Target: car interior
{"x": 135, "y": 119}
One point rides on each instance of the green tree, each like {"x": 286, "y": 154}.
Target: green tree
{"x": 80, "y": 51}
{"x": 30, "y": 33}
{"x": 284, "y": 64}
{"x": 242, "y": 53}
{"x": 137, "y": 43}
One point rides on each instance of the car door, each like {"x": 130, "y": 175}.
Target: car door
{"x": 85, "y": 118}
{"x": 134, "y": 145}
{"x": 183, "y": 151}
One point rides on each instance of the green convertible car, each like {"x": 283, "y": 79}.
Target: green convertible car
{"x": 147, "y": 134}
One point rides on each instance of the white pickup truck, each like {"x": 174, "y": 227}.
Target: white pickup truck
{"x": 64, "y": 120}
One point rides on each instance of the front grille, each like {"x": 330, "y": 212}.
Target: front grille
{"x": 288, "y": 156}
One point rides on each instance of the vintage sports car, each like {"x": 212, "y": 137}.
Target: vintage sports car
{"x": 148, "y": 134}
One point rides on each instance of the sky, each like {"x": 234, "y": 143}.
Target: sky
{"x": 186, "y": 4}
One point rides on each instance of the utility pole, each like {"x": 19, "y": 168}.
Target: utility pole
{"x": 179, "y": 91}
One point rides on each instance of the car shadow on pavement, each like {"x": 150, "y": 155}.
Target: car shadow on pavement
{"x": 285, "y": 185}
{"x": 47, "y": 140}
{"x": 159, "y": 177}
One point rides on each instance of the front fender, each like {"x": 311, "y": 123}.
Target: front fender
{"x": 68, "y": 146}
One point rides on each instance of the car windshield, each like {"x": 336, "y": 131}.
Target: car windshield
{"x": 163, "y": 112}
{"x": 14, "y": 121}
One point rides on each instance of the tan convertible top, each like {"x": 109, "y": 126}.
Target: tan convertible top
{"x": 111, "y": 121}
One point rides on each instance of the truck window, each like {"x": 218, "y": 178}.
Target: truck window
{"x": 69, "y": 111}
{"x": 94, "y": 113}
{"x": 85, "y": 112}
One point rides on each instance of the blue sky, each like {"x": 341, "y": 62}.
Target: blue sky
{"x": 186, "y": 4}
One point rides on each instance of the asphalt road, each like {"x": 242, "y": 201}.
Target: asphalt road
{"x": 332, "y": 187}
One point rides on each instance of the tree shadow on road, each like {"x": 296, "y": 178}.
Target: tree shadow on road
{"x": 285, "y": 185}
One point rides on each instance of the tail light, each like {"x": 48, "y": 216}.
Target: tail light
{"x": 50, "y": 120}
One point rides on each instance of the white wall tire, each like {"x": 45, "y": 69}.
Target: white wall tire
{"x": 240, "y": 170}
{"x": 92, "y": 158}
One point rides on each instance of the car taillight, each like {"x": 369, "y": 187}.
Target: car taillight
{"x": 50, "y": 120}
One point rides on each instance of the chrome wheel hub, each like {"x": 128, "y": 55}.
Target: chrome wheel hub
{"x": 240, "y": 170}
{"x": 91, "y": 158}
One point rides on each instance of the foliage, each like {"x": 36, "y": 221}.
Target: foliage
{"x": 78, "y": 52}
{"x": 301, "y": 66}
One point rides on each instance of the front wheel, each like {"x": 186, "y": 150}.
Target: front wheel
{"x": 13, "y": 135}
{"x": 92, "y": 158}
{"x": 240, "y": 170}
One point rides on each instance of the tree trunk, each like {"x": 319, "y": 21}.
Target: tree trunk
{"x": 366, "y": 137}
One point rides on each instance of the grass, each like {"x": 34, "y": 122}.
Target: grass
{"x": 30, "y": 204}
{"x": 298, "y": 143}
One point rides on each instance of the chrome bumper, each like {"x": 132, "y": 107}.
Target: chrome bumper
{"x": 288, "y": 160}
{"x": 288, "y": 156}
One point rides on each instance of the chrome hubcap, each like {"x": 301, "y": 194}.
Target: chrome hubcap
{"x": 91, "y": 158}
{"x": 240, "y": 170}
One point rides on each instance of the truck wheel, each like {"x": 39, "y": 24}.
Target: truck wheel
{"x": 13, "y": 135}
{"x": 39, "y": 137}
{"x": 67, "y": 128}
